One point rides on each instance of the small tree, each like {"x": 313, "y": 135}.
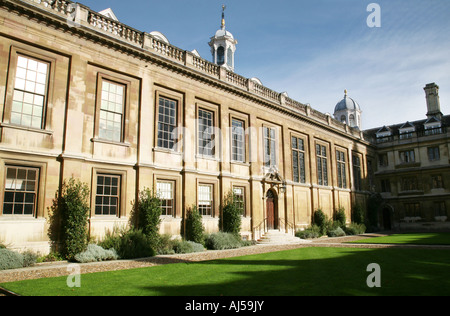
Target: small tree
{"x": 358, "y": 214}
{"x": 148, "y": 210}
{"x": 230, "y": 222}
{"x": 340, "y": 217}
{"x": 194, "y": 230}
{"x": 69, "y": 216}
{"x": 321, "y": 220}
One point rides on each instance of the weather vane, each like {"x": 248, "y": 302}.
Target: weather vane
{"x": 223, "y": 16}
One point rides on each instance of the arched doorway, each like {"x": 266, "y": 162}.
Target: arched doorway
{"x": 387, "y": 218}
{"x": 272, "y": 209}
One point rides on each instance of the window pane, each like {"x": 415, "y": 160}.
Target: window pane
{"x": 30, "y": 89}
{"x": 28, "y": 209}
{"x": 269, "y": 147}
{"x": 322, "y": 165}
{"x": 205, "y": 133}
{"x": 298, "y": 160}
{"x": 111, "y": 111}
{"x": 107, "y": 197}
{"x": 167, "y": 122}
{"x": 238, "y": 140}
{"x": 20, "y": 190}
{"x": 165, "y": 193}
{"x": 7, "y": 208}
{"x": 9, "y": 197}
{"x": 205, "y": 199}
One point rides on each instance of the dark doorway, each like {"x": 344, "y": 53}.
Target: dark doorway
{"x": 272, "y": 209}
{"x": 387, "y": 225}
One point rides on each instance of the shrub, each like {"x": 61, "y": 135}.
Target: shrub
{"x": 29, "y": 258}
{"x": 186, "y": 246}
{"x": 358, "y": 214}
{"x": 311, "y": 232}
{"x": 129, "y": 244}
{"x": 230, "y": 222}
{"x": 10, "y": 259}
{"x": 355, "y": 229}
{"x": 222, "y": 241}
{"x": 148, "y": 208}
{"x": 51, "y": 257}
{"x": 96, "y": 253}
{"x": 338, "y": 232}
{"x": 322, "y": 221}
{"x": 340, "y": 217}
{"x": 70, "y": 211}
{"x": 166, "y": 245}
{"x": 194, "y": 229}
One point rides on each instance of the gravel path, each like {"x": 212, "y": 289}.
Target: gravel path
{"x": 45, "y": 270}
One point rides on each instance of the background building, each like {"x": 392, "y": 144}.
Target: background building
{"x": 413, "y": 172}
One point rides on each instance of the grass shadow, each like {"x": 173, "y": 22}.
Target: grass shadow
{"x": 300, "y": 272}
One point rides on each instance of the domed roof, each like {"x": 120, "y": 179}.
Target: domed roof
{"x": 223, "y": 33}
{"x": 347, "y": 103}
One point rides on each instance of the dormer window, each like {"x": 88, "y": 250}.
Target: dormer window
{"x": 406, "y": 131}
{"x": 432, "y": 126}
{"x": 384, "y": 135}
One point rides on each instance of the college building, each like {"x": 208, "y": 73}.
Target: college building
{"x": 85, "y": 96}
{"x": 413, "y": 170}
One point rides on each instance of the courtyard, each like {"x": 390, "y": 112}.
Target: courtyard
{"x": 409, "y": 265}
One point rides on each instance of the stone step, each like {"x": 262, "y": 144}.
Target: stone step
{"x": 276, "y": 237}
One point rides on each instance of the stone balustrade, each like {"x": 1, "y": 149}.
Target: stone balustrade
{"x": 78, "y": 15}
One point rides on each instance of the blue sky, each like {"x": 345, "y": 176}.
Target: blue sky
{"x": 314, "y": 50}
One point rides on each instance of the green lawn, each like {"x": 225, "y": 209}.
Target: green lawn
{"x": 414, "y": 239}
{"x": 304, "y": 271}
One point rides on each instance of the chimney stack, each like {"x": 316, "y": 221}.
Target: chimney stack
{"x": 433, "y": 104}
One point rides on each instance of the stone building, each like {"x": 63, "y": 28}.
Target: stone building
{"x": 413, "y": 172}
{"x": 85, "y": 96}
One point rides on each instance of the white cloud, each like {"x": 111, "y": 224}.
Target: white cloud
{"x": 384, "y": 74}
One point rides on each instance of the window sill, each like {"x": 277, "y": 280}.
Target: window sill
{"x": 169, "y": 218}
{"x": 319, "y": 186}
{"x": 106, "y": 218}
{"x": 110, "y": 142}
{"x": 411, "y": 192}
{"x": 336, "y": 188}
{"x": 213, "y": 158}
{"x": 20, "y": 218}
{"x": 407, "y": 165}
{"x": 167, "y": 151}
{"x": 241, "y": 163}
{"x": 209, "y": 217}
{"x": 28, "y": 129}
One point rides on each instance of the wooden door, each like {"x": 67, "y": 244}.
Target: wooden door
{"x": 270, "y": 206}
{"x": 272, "y": 211}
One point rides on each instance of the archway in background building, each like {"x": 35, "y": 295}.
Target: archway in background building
{"x": 387, "y": 214}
